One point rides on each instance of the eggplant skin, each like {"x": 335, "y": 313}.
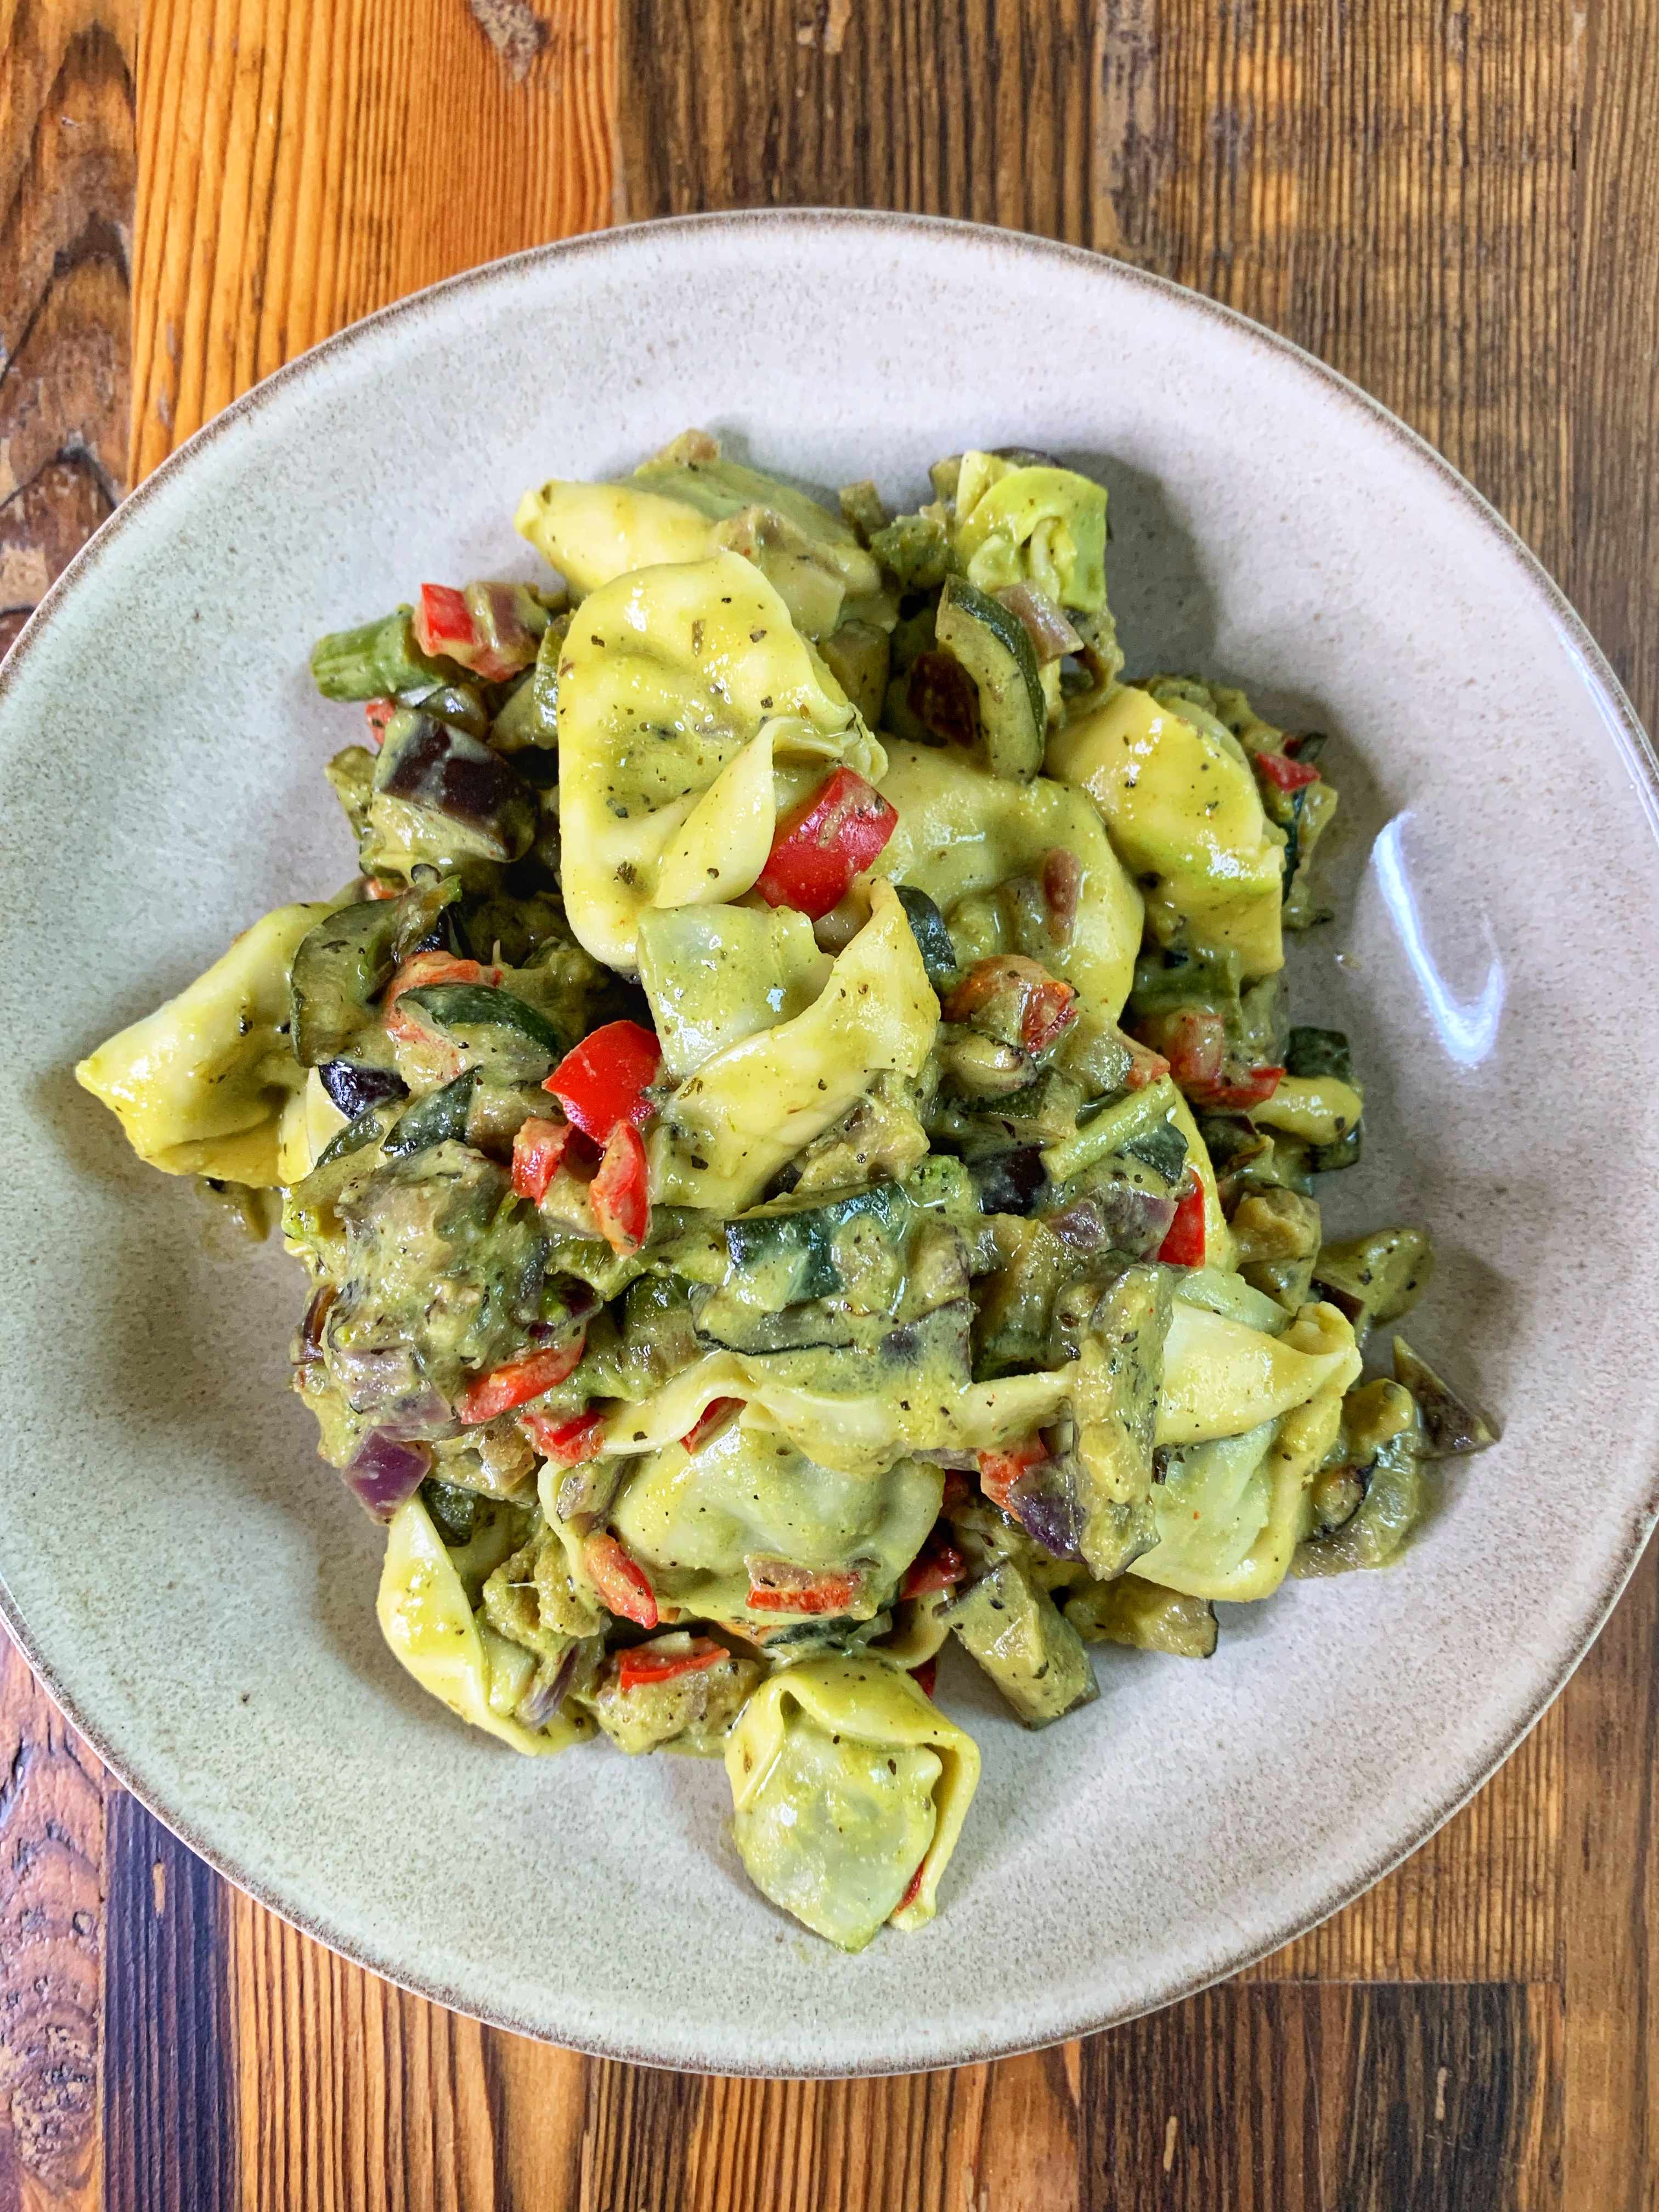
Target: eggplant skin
{"x": 354, "y": 1088}
{"x": 433, "y": 765}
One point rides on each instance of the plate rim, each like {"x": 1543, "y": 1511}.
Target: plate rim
{"x": 1631, "y": 738}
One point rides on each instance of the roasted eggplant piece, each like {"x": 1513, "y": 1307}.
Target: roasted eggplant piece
{"x": 1376, "y": 1277}
{"x": 440, "y": 770}
{"x": 1144, "y": 1616}
{"x": 1018, "y": 1635}
{"x": 1451, "y": 1426}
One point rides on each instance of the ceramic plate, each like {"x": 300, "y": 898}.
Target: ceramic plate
{"x": 197, "y": 1587}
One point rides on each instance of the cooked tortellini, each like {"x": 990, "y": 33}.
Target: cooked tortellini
{"x": 691, "y": 713}
{"x": 961, "y": 831}
{"x": 426, "y": 1618}
{"x": 848, "y": 1789}
{"x": 1031, "y": 523}
{"x": 785, "y": 1184}
{"x": 750, "y": 1509}
{"x": 201, "y": 1085}
{"x": 688, "y": 503}
{"x": 751, "y": 1106}
{"x": 716, "y": 975}
{"x": 1231, "y": 1512}
{"x": 1222, "y": 1378}
{"x": 1180, "y": 804}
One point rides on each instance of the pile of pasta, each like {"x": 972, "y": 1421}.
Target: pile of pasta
{"x": 798, "y": 1147}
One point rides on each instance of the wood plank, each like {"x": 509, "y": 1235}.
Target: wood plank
{"x": 1393, "y": 187}
{"x": 1610, "y": 1880}
{"x": 169, "y": 2136}
{"x": 350, "y": 2093}
{"x": 66, "y": 186}
{"x": 51, "y": 1930}
{"x": 977, "y": 109}
{"x": 66, "y": 183}
{"x": 303, "y": 163}
{"x": 1002, "y": 2136}
{"x": 1328, "y": 2100}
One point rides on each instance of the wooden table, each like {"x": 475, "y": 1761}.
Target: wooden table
{"x": 1457, "y": 205}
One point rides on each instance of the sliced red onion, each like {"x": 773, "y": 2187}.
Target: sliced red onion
{"x": 387, "y": 1471}
{"x": 388, "y": 1383}
{"x": 1045, "y": 625}
{"x": 544, "y": 1699}
{"x": 1045, "y": 1502}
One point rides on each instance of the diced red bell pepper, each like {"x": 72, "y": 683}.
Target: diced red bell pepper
{"x": 566, "y": 1442}
{"x": 713, "y": 1418}
{"x": 537, "y": 1151}
{"x": 938, "y": 1566}
{"x": 605, "y": 1080}
{"x": 1049, "y": 1012}
{"x": 443, "y": 621}
{"x": 1145, "y": 1066}
{"x": 414, "y": 974}
{"x": 999, "y": 1471}
{"x": 1184, "y": 1245}
{"x": 647, "y": 1664}
{"x": 1194, "y": 1042}
{"x": 620, "y": 1580}
{"x": 520, "y": 1381}
{"x": 380, "y": 887}
{"x": 1044, "y": 1006}
{"x": 620, "y": 1193}
{"x": 482, "y": 628}
{"x": 795, "y": 1590}
{"x": 377, "y": 714}
{"x": 924, "y": 1676}
{"x": 1287, "y": 774}
{"x": 1256, "y": 1087}
{"x": 819, "y": 846}
{"x": 913, "y": 1891}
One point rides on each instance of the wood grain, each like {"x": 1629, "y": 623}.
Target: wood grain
{"x": 66, "y": 189}
{"x": 1335, "y": 2099}
{"x": 66, "y": 193}
{"x": 304, "y": 161}
{"x": 167, "y": 2090}
{"x": 51, "y": 1913}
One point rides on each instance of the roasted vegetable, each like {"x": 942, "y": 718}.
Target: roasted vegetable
{"x": 1376, "y": 1277}
{"x": 1380, "y": 1452}
{"x": 991, "y": 644}
{"x": 1451, "y": 1427}
{"x": 1130, "y": 1611}
{"x": 1031, "y": 1652}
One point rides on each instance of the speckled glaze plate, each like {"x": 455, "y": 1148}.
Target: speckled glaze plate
{"x": 196, "y": 1588}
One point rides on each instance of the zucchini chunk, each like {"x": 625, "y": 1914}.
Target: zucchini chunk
{"x": 1380, "y": 1450}
{"x": 1119, "y": 1375}
{"x": 994, "y": 645}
